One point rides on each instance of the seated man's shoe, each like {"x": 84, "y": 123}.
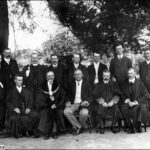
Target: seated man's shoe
{"x": 78, "y": 131}
{"x": 114, "y": 129}
{"x": 18, "y": 136}
{"x": 36, "y": 134}
{"x": 54, "y": 135}
{"x": 46, "y": 137}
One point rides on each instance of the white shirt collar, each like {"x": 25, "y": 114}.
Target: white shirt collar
{"x": 76, "y": 65}
{"x": 79, "y": 82}
{"x": 7, "y": 60}
{"x": 120, "y": 56}
{"x": 35, "y": 64}
{"x": 106, "y": 82}
{"x": 148, "y": 62}
{"x": 132, "y": 80}
{"x": 96, "y": 64}
{"x": 55, "y": 65}
{"x": 19, "y": 89}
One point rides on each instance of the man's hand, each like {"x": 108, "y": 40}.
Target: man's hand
{"x": 27, "y": 111}
{"x": 113, "y": 79}
{"x": 85, "y": 103}
{"x": 17, "y": 110}
{"x": 1, "y": 85}
{"x": 127, "y": 100}
{"x": 111, "y": 103}
{"x": 53, "y": 106}
{"x": 100, "y": 100}
{"x": 105, "y": 104}
{"x": 68, "y": 104}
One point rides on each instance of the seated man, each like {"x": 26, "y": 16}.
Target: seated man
{"x": 78, "y": 99}
{"x": 19, "y": 107}
{"x": 135, "y": 105}
{"x": 106, "y": 97}
{"x": 50, "y": 106}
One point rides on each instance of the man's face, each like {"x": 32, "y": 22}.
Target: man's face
{"x": 106, "y": 76}
{"x": 131, "y": 74}
{"x": 19, "y": 81}
{"x": 119, "y": 50}
{"x": 96, "y": 58}
{"x": 147, "y": 55}
{"x": 78, "y": 75}
{"x": 76, "y": 59}
{"x": 50, "y": 77}
{"x": 34, "y": 59}
{"x": 7, "y": 53}
{"x": 54, "y": 60}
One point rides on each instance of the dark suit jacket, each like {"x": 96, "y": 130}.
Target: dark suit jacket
{"x": 1, "y": 96}
{"x": 139, "y": 92}
{"x": 107, "y": 91}
{"x": 119, "y": 68}
{"x": 86, "y": 92}
{"x": 13, "y": 100}
{"x": 45, "y": 101}
{"x": 144, "y": 71}
{"x": 71, "y": 69}
{"x": 9, "y": 72}
{"x": 91, "y": 72}
{"x": 60, "y": 74}
{"x": 35, "y": 78}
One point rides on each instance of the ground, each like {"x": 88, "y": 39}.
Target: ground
{"x": 83, "y": 141}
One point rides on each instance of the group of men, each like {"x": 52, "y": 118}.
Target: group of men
{"x": 45, "y": 100}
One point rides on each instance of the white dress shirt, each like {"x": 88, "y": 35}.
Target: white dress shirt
{"x": 7, "y": 60}
{"x": 96, "y": 66}
{"x": 54, "y": 65}
{"x": 78, "y": 92}
{"x": 50, "y": 88}
{"x": 19, "y": 89}
{"x": 148, "y": 62}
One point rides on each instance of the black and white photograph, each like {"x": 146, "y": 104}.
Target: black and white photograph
{"x": 74, "y": 74}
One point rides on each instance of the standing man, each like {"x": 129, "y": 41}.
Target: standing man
{"x": 78, "y": 99}
{"x": 106, "y": 97}
{"x": 34, "y": 75}
{"x": 20, "y": 111}
{"x": 10, "y": 69}
{"x": 144, "y": 69}
{"x": 135, "y": 103}
{"x": 119, "y": 66}
{"x": 95, "y": 71}
{"x": 59, "y": 71}
{"x": 76, "y": 65}
{"x": 2, "y": 102}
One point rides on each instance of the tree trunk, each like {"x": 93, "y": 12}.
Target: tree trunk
{"x": 4, "y": 23}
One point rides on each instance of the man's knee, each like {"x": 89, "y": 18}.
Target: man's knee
{"x": 67, "y": 111}
{"x": 14, "y": 118}
{"x": 83, "y": 112}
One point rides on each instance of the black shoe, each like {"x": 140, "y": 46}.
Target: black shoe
{"x": 54, "y": 136}
{"x": 114, "y": 130}
{"x": 46, "y": 137}
{"x": 36, "y": 133}
{"x": 18, "y": 136}
{"x": 78, "y": 131}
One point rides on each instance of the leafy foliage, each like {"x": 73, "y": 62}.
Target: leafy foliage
{"x": 101, "y": 24}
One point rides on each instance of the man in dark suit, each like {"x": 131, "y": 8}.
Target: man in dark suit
{"x": 51, "y": 105}
{"x": 21, "y": 115}
{"x": 135, "y": 102}
{"x": 59, "y": 71}
{"x": 9, "y": 68}
{"x": 106, "y": 97}
{"x": 144, "y": 69}
{"x": 76, "y": 65}
{"x": 34, "y": 75}
{"x": 95, "y": 71}
{"x": 119, "y": 66}
{"x": 78, "y": 99}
